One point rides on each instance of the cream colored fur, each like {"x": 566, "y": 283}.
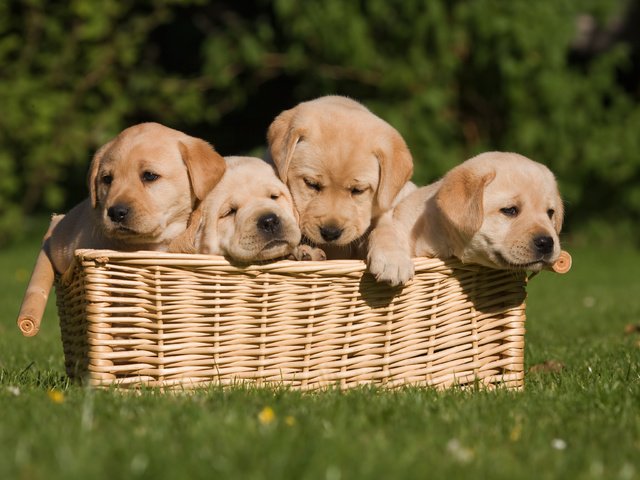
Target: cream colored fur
{"x": 344, "y": 167}
{"x": 497, "y": 209}
{"x": 157, "y": 174}
{"x": 249, "y": 216}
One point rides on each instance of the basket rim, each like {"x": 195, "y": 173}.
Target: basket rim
{"x": 193, "y": 260}
{"x": 325, "y": 268}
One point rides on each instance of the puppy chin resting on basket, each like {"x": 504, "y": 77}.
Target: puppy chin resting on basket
{"x": 500, "y": 210}
{"x": 248, "y": 217}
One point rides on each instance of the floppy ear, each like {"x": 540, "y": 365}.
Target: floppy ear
{"x": 204, "y": 165}
{"x": 292, "y": 204}
{"x": 558, "y": 216}
{"x": 187, "y": 241}
{"x": 205, "y": 233}
{"x": 93, "y": 172}
{"x": 282, "y": 138}
{"x": 460, "y": 198}
{"x": 396, "y": 168}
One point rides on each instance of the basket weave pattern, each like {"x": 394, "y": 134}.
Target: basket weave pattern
{"x": 157, "y": 319}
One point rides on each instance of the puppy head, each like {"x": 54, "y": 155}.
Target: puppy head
{"x": 343, "y": 165}
{"x": 249, "y": 216}
{"x": 502, "y": 210}
{"x": 145, "y": 183}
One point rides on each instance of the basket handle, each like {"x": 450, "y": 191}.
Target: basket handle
{"x": 38, "y": 288}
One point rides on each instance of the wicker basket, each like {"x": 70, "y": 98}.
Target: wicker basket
{"x": 176, "y": 320}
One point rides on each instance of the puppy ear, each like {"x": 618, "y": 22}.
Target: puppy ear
{"x": 460, "y": 200}
{"x": 93, "y": 172}
{"x": 186, "y": 241}
{"x": 204, "y": 165}
{"x": 282, "y": 138}
{"x": 205, "y": 233}
{"x": 396, "y": 168}
{"x": 558, "y": 216}
{"x": 292, "y": 204}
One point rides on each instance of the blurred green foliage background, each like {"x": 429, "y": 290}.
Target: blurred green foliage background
{"x": 556, "y": 80}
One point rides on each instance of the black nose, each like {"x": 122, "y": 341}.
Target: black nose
{"x": 118, "y": 213}
{"x": 269, "y": 223}
{"x": 543, "y": 244}
{"x": 330, "y": 233}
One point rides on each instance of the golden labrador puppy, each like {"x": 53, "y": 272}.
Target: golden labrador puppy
{"x": 143, "y": 186}
{"x": 344, "y": 167}
{"x": 248, "y": 217}
{"x": 497, "y": 209}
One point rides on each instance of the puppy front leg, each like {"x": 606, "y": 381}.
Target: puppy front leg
{"x": 389, "y": 255}
{"x": 308, "y": 253}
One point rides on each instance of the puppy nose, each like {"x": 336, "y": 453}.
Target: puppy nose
{"x": 269, "y": 223}
{"x": 543, "y": 244}
{"x": 117, "y": 213}
{"x": 330, "y": 233}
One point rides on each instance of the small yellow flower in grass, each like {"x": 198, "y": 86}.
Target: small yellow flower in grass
{"x": 266, "y": 416}
{"x": 289, "y": 420}
{"x": 516, "y": 431}
{"x": 56, "y": 396}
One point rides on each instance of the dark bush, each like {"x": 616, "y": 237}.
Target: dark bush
{"x": 555, "y": 80}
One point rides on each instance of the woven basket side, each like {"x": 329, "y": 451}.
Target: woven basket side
{"x": 200, "y": 323}
{"x": 72, "y": 310}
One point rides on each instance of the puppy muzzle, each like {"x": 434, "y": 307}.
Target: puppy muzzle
{"x": 330, "y": 233}
{"x": 543, "y": 245}
{"x": 118, "y": 213}
{"x": 269, "y": 225}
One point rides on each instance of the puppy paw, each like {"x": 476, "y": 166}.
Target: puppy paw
{"x": 394, "y": 267}
{"x": 309, "y": 254}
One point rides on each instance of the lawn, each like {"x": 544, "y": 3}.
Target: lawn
{"x": 578, "y": 419}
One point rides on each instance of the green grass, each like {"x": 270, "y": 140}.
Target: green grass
{"x": 580, "y": 422}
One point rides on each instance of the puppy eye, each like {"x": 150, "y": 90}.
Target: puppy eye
{"x": 510, "y": 211}
{"x": 230, "y": 212}
{"x": 550, "y": 213}
{"x": 150, "y": 177}
{"x": 313, "y": 185}
{"x": 107, "y": 179}
{"x": 357, "y": 191}
{"x": 275, "y": 196}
